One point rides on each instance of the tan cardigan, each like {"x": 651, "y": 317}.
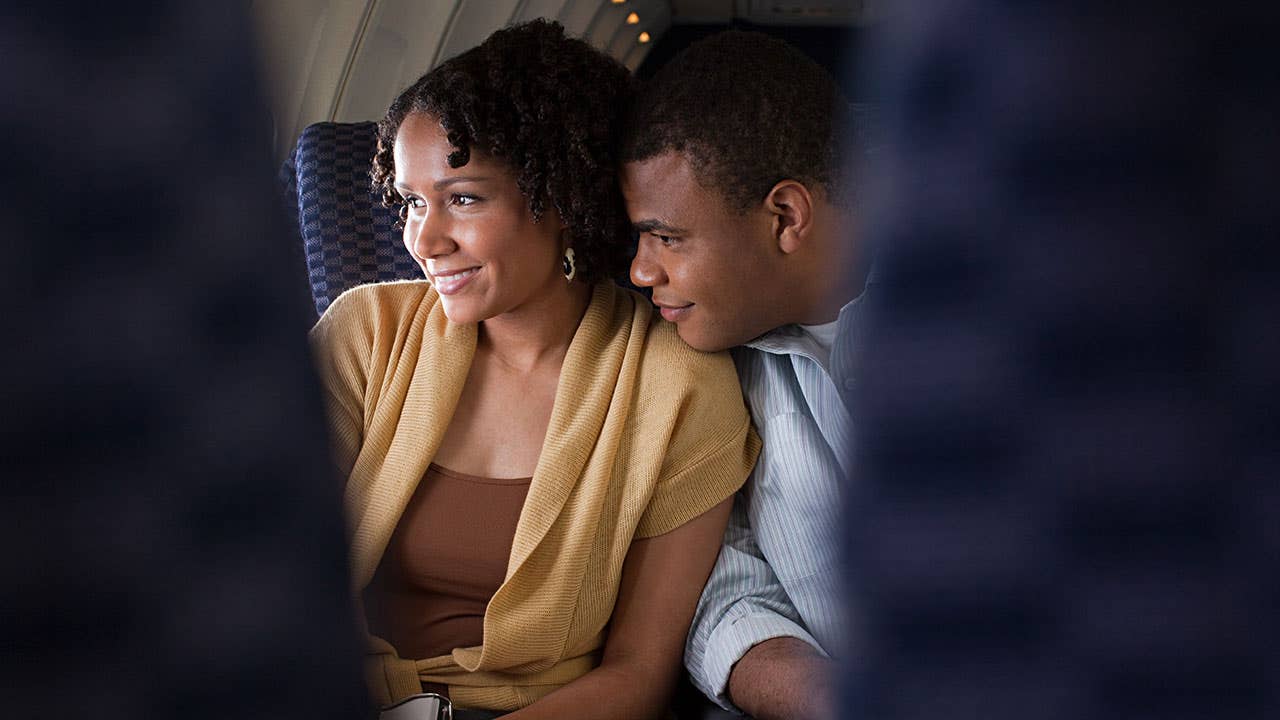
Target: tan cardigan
{"x": 645, "y": 435}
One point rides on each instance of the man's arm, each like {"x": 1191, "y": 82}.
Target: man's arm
{"x": 744, "y": 608}
{"x": 783, "y": 677}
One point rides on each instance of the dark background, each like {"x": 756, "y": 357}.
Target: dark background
{"x": 1067, "y": 496}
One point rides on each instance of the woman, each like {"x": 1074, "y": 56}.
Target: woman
{"x": 532, "y": 457}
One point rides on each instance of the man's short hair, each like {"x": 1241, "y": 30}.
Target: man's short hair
{"x": 747, "y": 110}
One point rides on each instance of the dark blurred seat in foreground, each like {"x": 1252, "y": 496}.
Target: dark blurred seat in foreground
{"x": 1069, "y": 491}
{"x": 172, "y": 535}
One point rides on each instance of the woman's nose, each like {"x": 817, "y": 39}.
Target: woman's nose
{"x": 427, "y": 236}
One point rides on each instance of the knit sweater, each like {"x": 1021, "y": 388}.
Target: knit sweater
{"x": 645, "y": 434}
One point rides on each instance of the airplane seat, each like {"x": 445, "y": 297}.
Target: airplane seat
{"x": 348, "y": 236}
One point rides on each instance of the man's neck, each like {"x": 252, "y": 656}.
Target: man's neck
{"x": 828, "y": 310}
{"x": 833, "y": 273}
{"x": 834, "y": 284}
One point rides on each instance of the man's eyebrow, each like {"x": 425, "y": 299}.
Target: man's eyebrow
{"x": 657, "y": 227}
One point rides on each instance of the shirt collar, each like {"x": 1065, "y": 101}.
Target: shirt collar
{"x": 791, "y": 339}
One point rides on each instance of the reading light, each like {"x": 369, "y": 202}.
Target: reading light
{"x": 633, "y": 18}
{"x": 644, "y": 37}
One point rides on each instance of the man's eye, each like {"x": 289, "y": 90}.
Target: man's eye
{"x": 667, "y": 240}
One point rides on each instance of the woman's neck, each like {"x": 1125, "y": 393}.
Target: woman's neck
{"x": 538, "y": 333}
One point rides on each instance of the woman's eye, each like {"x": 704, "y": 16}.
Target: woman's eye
{"x": 463, "y": 200}
{"x": 413, "y": 202}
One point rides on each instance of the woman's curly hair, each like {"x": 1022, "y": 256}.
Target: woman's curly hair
{"x": 547, "y": 105}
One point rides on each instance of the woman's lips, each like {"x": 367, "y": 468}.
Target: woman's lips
{"x": 453, "y": 282}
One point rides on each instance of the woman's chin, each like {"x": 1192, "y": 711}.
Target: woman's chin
{"x": 462, "y": 311}
{"x": 460, "y": 314}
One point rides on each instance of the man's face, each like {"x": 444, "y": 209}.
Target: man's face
{"x": 710, "y": 267}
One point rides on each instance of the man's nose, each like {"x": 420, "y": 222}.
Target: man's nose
{"x": 645, "y": 270}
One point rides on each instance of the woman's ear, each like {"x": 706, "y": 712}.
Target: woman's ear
{"x": 791, "y": 205}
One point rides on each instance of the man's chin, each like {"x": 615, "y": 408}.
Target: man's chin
{"x": 701, "y": 341}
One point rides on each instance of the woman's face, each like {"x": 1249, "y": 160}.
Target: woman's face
{"x": 470, "y": 229}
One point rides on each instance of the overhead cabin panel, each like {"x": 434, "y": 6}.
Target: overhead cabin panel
{"x": 401, "y": 42}
{"x": 305, "y": 46}
{"x": 612, "y": 29}
{"x": 473, "y": 21}
{"x": 576, "y": 15}
{"x": 549, "y": 9}
{"x": 625, "y": 43}
{"x": 807, "y": 12}
{"x": 345, "y": 60}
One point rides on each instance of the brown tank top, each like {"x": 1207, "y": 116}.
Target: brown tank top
{"x": 446, "y": 559}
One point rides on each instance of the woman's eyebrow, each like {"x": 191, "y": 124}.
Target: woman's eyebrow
{"x": 403, "y": 188}
{"x": 442, "y": 184}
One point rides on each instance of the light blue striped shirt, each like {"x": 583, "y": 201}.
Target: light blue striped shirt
{"x": 777, "y": 575}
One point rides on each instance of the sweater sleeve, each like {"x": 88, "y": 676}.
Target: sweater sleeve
{"x": 712, "y": 446}
{"x": 341, "y": 343}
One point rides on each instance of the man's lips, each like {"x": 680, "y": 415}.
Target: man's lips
{"x": 673, "y": 312}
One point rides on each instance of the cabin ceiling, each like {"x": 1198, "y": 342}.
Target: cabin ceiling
{"x": 776, "y": 12}
{"x": 345, "y": 60}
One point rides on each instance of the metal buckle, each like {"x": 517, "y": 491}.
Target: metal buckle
{"x": 423, "y": 706}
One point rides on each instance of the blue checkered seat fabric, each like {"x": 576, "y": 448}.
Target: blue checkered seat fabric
{"x": 348, "y": 237}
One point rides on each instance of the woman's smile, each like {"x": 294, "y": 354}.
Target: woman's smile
{"x": 450, "y": 282}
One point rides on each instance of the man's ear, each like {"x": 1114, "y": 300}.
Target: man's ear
{"x": 791, "y": 206}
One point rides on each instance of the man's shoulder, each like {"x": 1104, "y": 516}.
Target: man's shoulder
{"x": 773, "y": 382}
{"x": 763, "y": 368}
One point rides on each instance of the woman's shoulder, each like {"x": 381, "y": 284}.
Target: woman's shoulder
{"x": 392, "y": 296}
{"x": 668, "y": 372}
{"x": 671, "y": 367}
{"x": 379, "y": 304}
{"x": 693, "y": 402}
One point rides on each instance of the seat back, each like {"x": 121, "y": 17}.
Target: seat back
{"x": 348, "y": 237}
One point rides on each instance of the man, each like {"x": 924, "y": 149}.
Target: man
{"x": 734, "y": 181}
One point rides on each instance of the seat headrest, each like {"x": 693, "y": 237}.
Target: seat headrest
{"x": 348, "y": 237}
